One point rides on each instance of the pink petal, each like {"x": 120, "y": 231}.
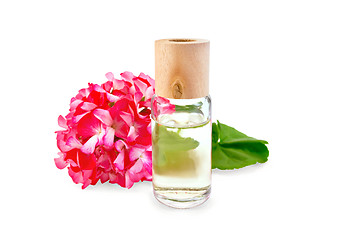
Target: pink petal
{"x": 89, "y": 146}
{"x": 137, "y": 167}
{"x": 109, "y": 137}
{"x": 121, "y": 105}
{"x": 138, "y": 96}
{"x": 149, "y": 93}
{"x": 136, "y": 172}
{"x": 118, "y": 84}
{"x": 135, "y": 153}
{"x": 101, "y": 135}
{"x": 104, "y": 177}
{"x": 149, "y": 128}
{"x": 62, "y": 122}
{"x": 128, "y": 182}
{"x": 119, "y": 161}
{"x": 132, "y": 134}
{"x": 76, "y": 176}
{"x": 60, "y": 140}
{"x": 121, "y": 130}
{"x": 147, "y": 161}
{"x": 112, "y": 177}
{"x": 77, "y": 118}
{"x": 60, "y": 161}
{"x": 126, "y": 117}
{"x": 89, "y": 126}
{"x": 148, "y": 78}
{"x": 88, "y": 106}
{"x": 128, "y": 76}
{"x": 98, "y": 88}
{"x": 118, "y": 178}
{"x": 120, "y": 145}
{"x": 132, "y": 90}
{"x": 74, "y": 103}
{"x": 147, "y": 176}
{"x": 83, "y": 93}
{"x": 104, "y": 162}
{"x": 87, "y": 173}
{"x": 72, "y": 142}
{"x": 110, "y": 76}
{"x": 86, "y": 183}
{"x": 104, "y": 116}
{"x": 85, "y": 161}
{"x": 111, "y": 97}
{"x": 107, "y": 86}
{"x": 140, "y": 86}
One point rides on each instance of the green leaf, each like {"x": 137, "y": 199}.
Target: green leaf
{"x": 232, "y": 149}
{"x": 193, "y": 108}
{"x": 215, "y": 134}
{"x": 171, "y": 152}
{"x": 172, "y": 141}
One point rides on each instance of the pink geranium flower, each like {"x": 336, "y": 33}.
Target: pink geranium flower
{"x": 106, "y": 135}
{"x": 162, "y": 105}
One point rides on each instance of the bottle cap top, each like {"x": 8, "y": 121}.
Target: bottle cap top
{"x": 182, "y": 68}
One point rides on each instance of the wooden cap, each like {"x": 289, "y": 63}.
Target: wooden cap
{"x": 182, "y": 68}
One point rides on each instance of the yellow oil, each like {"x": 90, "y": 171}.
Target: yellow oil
{"x": 182, "y": 159}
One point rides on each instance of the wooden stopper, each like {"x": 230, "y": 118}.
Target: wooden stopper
{"x": 182, "y": 68}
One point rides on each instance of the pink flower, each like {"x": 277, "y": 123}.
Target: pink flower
{"x": 162, "y": 105}
{"x": 107, "y": 134}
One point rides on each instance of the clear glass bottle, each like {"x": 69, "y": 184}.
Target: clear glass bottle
{"x": 181, "y": 123}
{"x": 181, "y": 139}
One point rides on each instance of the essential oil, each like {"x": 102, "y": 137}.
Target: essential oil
{"x": 181, "y": 123}
{"x": 182, "y": 157}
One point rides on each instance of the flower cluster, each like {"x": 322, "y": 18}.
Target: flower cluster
{"x": 107, "y": 134}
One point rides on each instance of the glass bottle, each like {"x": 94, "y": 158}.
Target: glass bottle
{"x": 181, "y": 123}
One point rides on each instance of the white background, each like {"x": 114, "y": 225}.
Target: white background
{"x": 283, "y": 71}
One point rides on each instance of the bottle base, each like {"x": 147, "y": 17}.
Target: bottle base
{"x": 182, "y": 197}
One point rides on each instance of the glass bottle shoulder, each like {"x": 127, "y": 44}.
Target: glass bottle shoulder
{"x": 181, "y": 113}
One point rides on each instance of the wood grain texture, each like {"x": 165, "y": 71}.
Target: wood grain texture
{"x": 182, "y": 68}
